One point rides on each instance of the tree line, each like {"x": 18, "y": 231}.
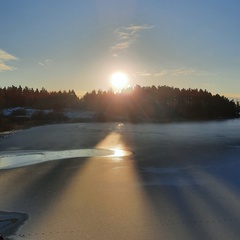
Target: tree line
{"x": 152, "y": 104}
{"x": 40, "y": 99}
{"x": 162, "y": 103}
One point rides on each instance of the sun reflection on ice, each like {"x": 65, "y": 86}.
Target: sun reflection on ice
{"x": 120, "y": 126}
{"x": 120, "y": 153}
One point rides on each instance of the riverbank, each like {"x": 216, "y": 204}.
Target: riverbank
{"x": 20, "y": 118}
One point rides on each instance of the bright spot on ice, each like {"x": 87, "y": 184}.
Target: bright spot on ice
{"x": 120, "y": 125}
{"x": 119, "y": 153}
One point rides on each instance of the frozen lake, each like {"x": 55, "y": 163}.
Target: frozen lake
{"x": 122, "y": 181}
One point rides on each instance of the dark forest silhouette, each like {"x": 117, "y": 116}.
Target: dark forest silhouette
{"x": 138, "y": 104}
{"x": 157, "y": 104}
{"x": 39, "y": 99}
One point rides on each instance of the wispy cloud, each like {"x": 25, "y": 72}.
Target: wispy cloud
{"x": 126, "y": 36}
{"x": 4, "y": 58}
{"x": 45, "y": 62}
{"x": 184, "y": 71}
{"x": 176, "y": 72}
{"x": 196, "y": 72}
{"x": 161, "y": 73}
{"x": 143, "y": 74}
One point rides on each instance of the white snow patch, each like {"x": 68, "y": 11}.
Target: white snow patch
{"x": 15, "y": 159}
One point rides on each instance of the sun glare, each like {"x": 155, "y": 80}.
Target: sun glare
{"x": 119, "y": 80}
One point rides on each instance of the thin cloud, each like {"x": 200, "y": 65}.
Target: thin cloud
{"x": 176, "y": 73}
{"x": 46, "y": 62}
{"x": 126, "y": 36}
{"x": 4, "y": 58}
{"x": 4, "y": 67}
{"x": 136, "y": 28}
{"x": 143, "y": 74}
{"x": 161, "y": 73}
{"x": 183, "y": 71}
{"x": 121, "y": 45}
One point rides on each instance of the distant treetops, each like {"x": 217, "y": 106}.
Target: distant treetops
{"x": 151, "y": 104}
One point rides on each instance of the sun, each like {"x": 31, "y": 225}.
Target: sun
{"x": 119, "y": 80}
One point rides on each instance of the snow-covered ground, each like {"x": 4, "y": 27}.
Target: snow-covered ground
{"x": 69, "y": 113}
{"x": 29, "y": 111}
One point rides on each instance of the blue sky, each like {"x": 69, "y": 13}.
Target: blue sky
{"x": 78, "y": 44}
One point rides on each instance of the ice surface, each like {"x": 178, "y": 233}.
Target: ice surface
{"x": 182, "y": 182}
{"x": 23, "y": 158}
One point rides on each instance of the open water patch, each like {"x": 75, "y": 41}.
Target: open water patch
{"x": 14, "y": 159}
{"x": 10, "y": 222}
